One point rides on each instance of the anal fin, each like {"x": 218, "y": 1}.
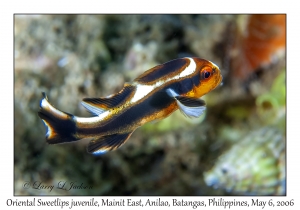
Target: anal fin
{"x": 107, "y": 143}
{"x": 189, "y": 106}
{"x": 99, "y": 105}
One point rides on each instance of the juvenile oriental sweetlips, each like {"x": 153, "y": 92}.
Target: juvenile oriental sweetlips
{"x": 154, "y": 95}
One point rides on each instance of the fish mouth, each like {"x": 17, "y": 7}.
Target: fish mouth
{"x": 219, "y": 78}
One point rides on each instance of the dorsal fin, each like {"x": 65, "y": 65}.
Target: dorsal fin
{"x": 163, "y": 71}
{"x": 92, "y": 108}
{"x": 99, "y": 105}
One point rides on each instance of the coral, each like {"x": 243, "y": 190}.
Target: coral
{"x": 259, "y": 39}
{"x": 253, "y": 166}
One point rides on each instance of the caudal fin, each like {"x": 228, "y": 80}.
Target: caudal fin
{"x": 60, "y": 125}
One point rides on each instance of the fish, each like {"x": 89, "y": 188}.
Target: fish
{"x": 152, "y": 96}
{"x": 253, "y": 166}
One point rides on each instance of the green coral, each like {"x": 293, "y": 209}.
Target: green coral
{"x": 271, "y": 105}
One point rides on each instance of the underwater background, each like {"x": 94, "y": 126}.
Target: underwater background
{"x": 236, "y": 148}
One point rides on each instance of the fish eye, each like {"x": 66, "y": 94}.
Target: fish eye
{"x": 206, "y": 73}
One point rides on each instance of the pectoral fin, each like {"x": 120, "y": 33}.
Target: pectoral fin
{"x": 107, "y": 143}
{"x": 191, "y": 107}
{"x": 99, "y": 105}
